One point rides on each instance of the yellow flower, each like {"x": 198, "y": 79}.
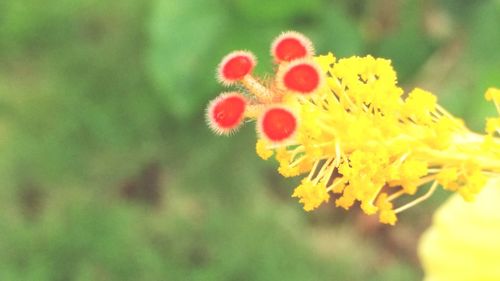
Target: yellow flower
{"x": 492, "y": 125}
{"x": 387, "y": 214}
{"x": 326, "y": 61}
{"x": 262, "y": 151}
{"x": 419, "y": 106}
{"x": 448, "y": 177}
{"x": 492, "y": 94}
{"x": 310, "y": 194}
{"x": 345, "y": 125}
{"x": 462, "y": 244}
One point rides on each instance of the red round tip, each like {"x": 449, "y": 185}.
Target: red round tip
{"x": 300, "y": 76}
{"x": 225, "y": 113}
{"x": 278, "y": 124}
{"x": 290, "y": 46}
{"x": 235, "y": 66}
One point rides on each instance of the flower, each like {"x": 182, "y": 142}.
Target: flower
{"x": 345, "y": 125}
{"x": 462, "y": 243}
{"x": 311, "y": 194}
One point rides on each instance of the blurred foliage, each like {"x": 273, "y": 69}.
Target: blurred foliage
{"x": 108, "y": 172}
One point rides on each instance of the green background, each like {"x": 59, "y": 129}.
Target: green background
{"x": 109, "y": 172}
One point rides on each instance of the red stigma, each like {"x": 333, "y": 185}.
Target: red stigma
{"x": 226, "y": 112}
{"x": 278, "y": 124}
{"x": 290, "y": 46}
{"x": 235, "y": 66}
{"x": 303, "y": 78}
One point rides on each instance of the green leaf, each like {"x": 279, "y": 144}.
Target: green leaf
{"x": 276, "y": 10}
{"x": 181, "y": 34}
{"x": 484, "y": 61}
{"x": 408, "y": 46}
{"x": 336, "y": 32}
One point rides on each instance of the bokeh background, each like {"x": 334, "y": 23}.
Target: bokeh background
{"x": 108, "y": 171}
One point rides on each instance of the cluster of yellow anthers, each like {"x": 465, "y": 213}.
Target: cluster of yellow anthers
{"x": 346, "y": 125}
